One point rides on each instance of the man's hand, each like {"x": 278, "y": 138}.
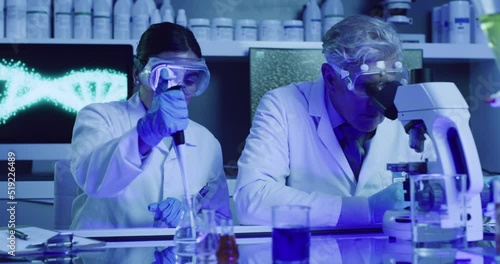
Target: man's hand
{"x": 390, "y": 198}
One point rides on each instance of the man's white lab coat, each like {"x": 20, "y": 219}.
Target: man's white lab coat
{"x": 293, "y": 157}
{"x": 119, "y": 183}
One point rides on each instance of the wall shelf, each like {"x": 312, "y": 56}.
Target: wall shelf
{"x": 452, "y": 51}
{"x": 433, "y": 51}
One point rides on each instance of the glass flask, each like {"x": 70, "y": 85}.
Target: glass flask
{"x": 186, "y": 230}
{"x": 208, "y": 238}
{"x": 227, "y": 253}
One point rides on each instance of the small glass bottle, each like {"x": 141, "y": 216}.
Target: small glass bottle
{"x": 208, "y": 238}
{"x": 186, "y": 230}
{"x": 227, "y": 252}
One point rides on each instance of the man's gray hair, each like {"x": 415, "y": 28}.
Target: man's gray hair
{"x": 359, "y": 39}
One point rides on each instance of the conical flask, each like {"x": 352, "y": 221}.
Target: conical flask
{"x": 186, "y": 230}
{"x": 227, "y": 252}
{"x": 208, "y": 239}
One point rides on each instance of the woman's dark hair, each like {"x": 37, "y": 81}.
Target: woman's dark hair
{"x": 163, "y": 37}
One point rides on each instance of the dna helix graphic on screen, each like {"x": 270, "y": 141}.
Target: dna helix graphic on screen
{"x": 24, "y": 87}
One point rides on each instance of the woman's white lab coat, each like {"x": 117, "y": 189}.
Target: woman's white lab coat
{"x": 293, "y": 157}
{"x": 119, "y": 183}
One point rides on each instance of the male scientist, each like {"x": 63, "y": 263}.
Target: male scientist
{"x": 325, "y": 144}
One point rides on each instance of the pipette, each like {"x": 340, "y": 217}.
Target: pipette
{"x": 179, "y": 147}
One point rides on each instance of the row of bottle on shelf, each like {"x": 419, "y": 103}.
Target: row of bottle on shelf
{"x": 315, "y": 22}
{"x": 456, "y": 22}
{"x": 128, "y": 19}
{"x": 80, "y": 19}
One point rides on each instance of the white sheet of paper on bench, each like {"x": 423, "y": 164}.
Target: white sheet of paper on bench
{"x": 39, "y": 236}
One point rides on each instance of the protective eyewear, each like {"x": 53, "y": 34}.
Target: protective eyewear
{"x": 371, "y": 78}
{"x": 190, "y": 73}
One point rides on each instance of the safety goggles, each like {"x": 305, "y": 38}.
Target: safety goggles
{"x": 371, "y": 78}
{"x": 191, "y": 74}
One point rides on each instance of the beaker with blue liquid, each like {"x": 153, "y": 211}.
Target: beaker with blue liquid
{"x": 291, "y": 236}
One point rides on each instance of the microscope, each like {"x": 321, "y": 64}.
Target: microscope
{"x": 436, "y": 109}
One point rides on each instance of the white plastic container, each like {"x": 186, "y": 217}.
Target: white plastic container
{"x": 200, "y": 28}
{"x": 166, "y": 5}
{"x": 2, "y": 19}
{"x": 82, "y": 23}
{"x": 270, "y": 30}
{"x": 168, "y": 16}
{"x": 222, "y": 29}
{"x": 151, "y": 7}
{"x": 459, "y": 21}
{"x": 477, "y": 34}
{"x": 140, "y": 19}
{"x": 38, "y": 19}
{"x": 329, "y": 22}
{"x": 293, "y": 30}
{"x": 121, "y": 19}
{"x": 15, "y": 19}
{"x": 445, "y": 29}
{"x": 332, "y": 12}
{"x": 101, "y": 26}
{"x": 63, "y": 19}
{"x": 155, "y": 16}
{"x": 436, "y": 24}
{"x": 312, "y": 21}
{"x": 181, "y": 18}
{"x": 245, "y": 30}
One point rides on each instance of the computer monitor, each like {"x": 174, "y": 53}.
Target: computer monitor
{"x": 43, "y": 86}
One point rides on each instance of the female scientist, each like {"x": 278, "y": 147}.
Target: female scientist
{"x": 122, "y": 156}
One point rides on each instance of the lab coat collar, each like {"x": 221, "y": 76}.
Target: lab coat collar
{"x": 317, "y": 95}
{"x": 137, "y": 110}
{"x": 318, "y": 108}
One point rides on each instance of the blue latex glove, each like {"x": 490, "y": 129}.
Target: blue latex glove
{"x": 390, "y": 198}
{"x": 168, "y": 114}
{"x": 166, "y": 256}
{"x": 167, "y": 211}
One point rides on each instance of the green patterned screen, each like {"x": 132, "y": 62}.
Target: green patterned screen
{"x": 271, "y": 68}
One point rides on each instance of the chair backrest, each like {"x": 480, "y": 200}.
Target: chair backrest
{"x": 65, "y": 191}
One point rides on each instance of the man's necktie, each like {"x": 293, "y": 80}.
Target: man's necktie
{"x": 350, "y": 141}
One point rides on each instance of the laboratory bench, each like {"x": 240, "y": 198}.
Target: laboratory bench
{"x": 337, "y": 245}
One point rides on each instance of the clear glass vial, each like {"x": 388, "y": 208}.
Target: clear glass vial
{"x": 208, "y": 238}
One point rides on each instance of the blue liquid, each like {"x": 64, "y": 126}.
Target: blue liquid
{"x": 291, "y": 244}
